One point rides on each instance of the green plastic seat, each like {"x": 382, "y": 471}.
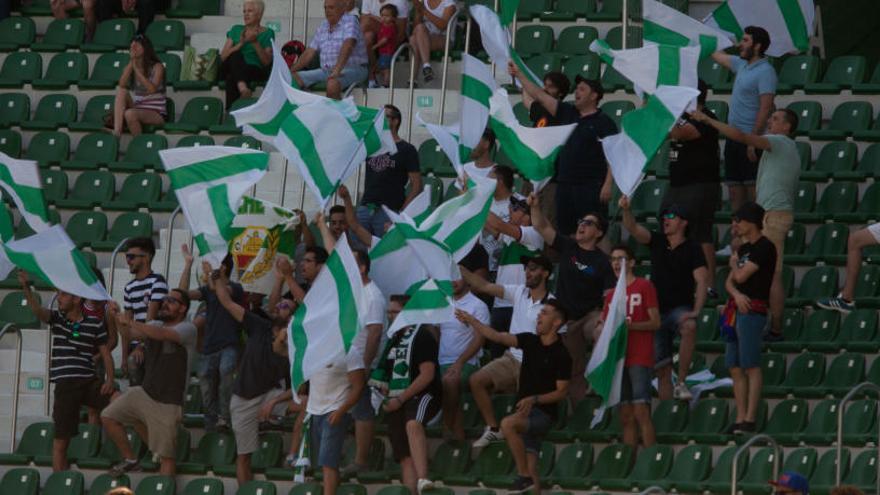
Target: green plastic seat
{"x": 214, "y": 448}
{"x": 493, "y": 460}
{"x": 451, "y": 457}
{"x": 87, "y": 227}
{"x": 789, "y": 417}
{"x": 819, "y": 429}
{"x": 809, "y": 115}
{"x": 543, "y": 63}
{"x": 193, "y": 9}
{"x": 156, "y": 485}
{"x": 228, "y": 124}
{"x": 534, "y": 39}
{"x": 838, "y": 199}
{"x": 167, "y": 203}
{"x": 92, "y": 188}
{"x": 37, "y": 437}
{"x": 94, "y": 150}
{"x": 804, "y": 201}
{"x": 351, "y": 489}
{"x": 64, "y": 69}
{"x": 806, "y": 371}
{"x": 432, "y": 158}
{"x": 195, "y": 141}
{"x": 48, "y": 147}
{"x": 859, "y": 422}
{"x": 54, "y": 185}
{"x": 872, "y": 134}
{"x": 869, "y": 164}
{"x": 708, "y": 336}
{"x": 20, "y": 481}
{"x": 85, "y": 444}
{"x": 138, "y": 191}
{"x": 200, "y": 113}
{"x": 715, "y": 75}
{"x": 257, "y": 487}
{"x": 103, "y": 483}
{"x": 845, "y": 372}
{"x": 863, "y": 472}
{"x": 575, "y": 40}
{"x": 797, "y": 71}
{"x": 204, "y": 486}
{"x": 397, "y": 490}
{"x": 16, "y": 32}
{"x": 92, "y": 119}
{"x": 828, "y": 244}
{"x": 166, "y": 35}
{"x": 719, "y": 480}
{"x": 612, "y": 81}
{"x": 825, "y": 475}
{"x": 692, "y": 465}
{"x": 669, "y": 418}
{"x": 792, "y": 326}
{"x": 706, "y": 423}
{"x": 794, "y": 240}
{"x": 647, "y": 198}
{"x": 247, "y": 142}
{"x": 572, "y": 464}
{"x": 837, "y": 156}
{"x": 172, "y": 65}
{"x": 579, "y": 422}
{"x": 872, "y": 87}
{"x": 142, "y": 153}
{"x": 773, "y": 368}
{"x": 20, "y": 68}
{"x": 612, "y": 463}
{"x": 720, "y": 108}
{"x": 53, "y": 111}
{"x": 801, "y": 461}
{"x": 818, "y": 282}
{"x": 267, "y": 455}
{"x": 61, "y": 35}
{"x": 307, "y": 488}
{"x": 64, "y": 483}
{"x": 531, "y": 9}
{"x": 150, "y": 462}
{"x": 616, "y": 109}
{"x": 127, "y": 225}
{"x": 570, "y": 10}
{"x": 819, "y": 333}
{"x": 106, "y": 71}
{"x": 859, "y": 329}
{"x": 586, "y": 65}
{"x": 110, "y": 36}
{"x": 16, "y": 108}
{"x": 844, "y": 72}
{"x": 546, "y": 458}
{"x": 868, "y": 287}
{"x": 653, "y": 463}
{"x": 109, "y": 453}
{"x": 847, "y": 118}
{"x": 10, "y": 142}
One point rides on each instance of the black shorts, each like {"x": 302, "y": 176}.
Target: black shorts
{"x": 738, "y": 169}
{"x": 422, "y": 408}
{"x": 70, "y": 395}
{"x": 700, "y": 202}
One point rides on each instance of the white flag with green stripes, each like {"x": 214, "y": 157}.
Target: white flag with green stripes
{"x": 477, "y": 86}
{"x": 20, "y": 179}
{"x": 209, "y": 182}
{"x": 642, "y": 132}
{"x": 457, "y": 223}
{"x": 789, "y": 22}
{"x": 652, "y": 65}
{"x": 430, "y": 303}
{"x": 663, "y": 25}
{"x": 532, "y": 150}
{"x": 496, "y": 42}
{"x": 324, "y": 325}
{"x": 435, "y": 256}
{"x": 327, "y": 140}
{"x": 420, "y": 207}
{"x": 605, "y": 369}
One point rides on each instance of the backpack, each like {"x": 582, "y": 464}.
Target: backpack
{"x": 292, "y": 50}
{"x": 204, "y": 67}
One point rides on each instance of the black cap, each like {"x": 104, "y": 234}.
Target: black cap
{"x": 751, "y": 212}
{"x": 538, "y": 259}
{"x": 676, "y": 210}
{"x": 594, "y": 84}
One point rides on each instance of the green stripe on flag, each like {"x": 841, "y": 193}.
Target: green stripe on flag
{"x": 348, "y": 311}
{"x": 795, "y": 22}
{"x": 523, "y": 68}
{"x": 513, "y": 253}
{"x": 218, "y": 168}
{"x": 668, "y": 65}
{"x": 602, "y": 376}
{"x": 32, "y": 197}
{"x": 7, "y": 231}
{"x": 83, "y": 269}
{"x": 28, "y": 262}
{"x": 663, "y": 35}
{"x": 524, "y": 158}
{"x": 301, "y": 137}
{"x": 390, "y": 242}
{"x": 475, "y": 89}
{"x": 468, "y": 230}
{"x": 726, "y": 20}
{"x": 300, "y": 344}
{"x": 202, "y": 243}
{"x": 641, "y": 126}
{"x": 271, "y": 127}
{"x": 507, "y": 12}
{"x": 218, "y": 198}
{"x": 427, "y": 299}
{"x": 708, "y": 45}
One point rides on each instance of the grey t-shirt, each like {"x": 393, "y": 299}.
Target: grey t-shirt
{"x": 778, "y": 173}
{"x": 166, "y": 364}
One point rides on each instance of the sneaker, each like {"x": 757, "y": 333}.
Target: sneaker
{"x": 521, "y": 484}
{"x": 725, "y": 251}
{"x": 125, "y": 466}
{"x": 424, "y": 484}
{"x": 488, "y": 437}
{"x": 290, "y": 461}
{"x": 837, "y": 304}
{"x": 681, "y": 392}
{"x": 427, "y": 73}
{"x": 773, "y": 337}
{"x": 373, "y": 84}
{"x": 732, "y": 429}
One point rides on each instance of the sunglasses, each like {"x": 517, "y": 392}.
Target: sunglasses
{"x": 588, "y": 222}
{"x": 130, "y": 257}
{"x": 172, "y": 299}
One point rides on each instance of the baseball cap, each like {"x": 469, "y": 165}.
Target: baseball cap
{"x": 792, "y": 481}
{"x": 538, "y": 259}
{"x": 751, "y": 212}
{"x": 675, "y": 210}
{"x": 594, "y": 84}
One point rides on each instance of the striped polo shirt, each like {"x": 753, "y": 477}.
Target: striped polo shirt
{"x": 73, "y": 346}
{"x": 139, "y": 293}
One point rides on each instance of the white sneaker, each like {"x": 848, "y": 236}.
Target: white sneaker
{"x": 424, "y": 484}
{"x": 681, "y": 392}
{"x": 488, "y": 437}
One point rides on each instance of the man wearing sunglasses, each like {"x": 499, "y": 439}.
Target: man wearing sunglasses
{"x": 155, "y": 408}
{"x": 142, "y": 299}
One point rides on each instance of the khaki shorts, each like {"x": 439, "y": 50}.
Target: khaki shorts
{"x": 504, "y": 373}
{"x": 161, "y": 420}
{"x": 245, "y": 425}
{"x": 776, "y": 227}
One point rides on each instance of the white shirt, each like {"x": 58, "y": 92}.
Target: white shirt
{"x": 474, "y": 171}
{"x": 513, "y": 272}
{"x": 525, "y": 312}
{"x": 437, "y": 12}
{"x": 492, "y": 244}
{"x": 455, "y": 336}
{"x": 375, "y": 315}
{"x": 329, "y": 387}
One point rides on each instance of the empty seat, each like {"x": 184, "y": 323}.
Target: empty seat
{"x": 797, "y": 71}
{"x": 789, "y": 417}
{"x": 844, "y": 72}
{"x": 653, "y": 463}
{"x": 872, "y": 87}
{"x": 142, "y": 154}
{"x": 828, "y": 244}
{"x": 54, "y": 185}
{"x": 138, "y": 191}
{"x": 534, "y": 39}
{"x": 61, "y": 35}
{"x": 53, "y": 111}
{"x": 156, "y": 485}
{"x": 94, "y": 150}
{"x": 20, "y": 68}
{"x": 92, "y": 188}
{"x": 16, "y": 32}
{"x": 586, "y": 65}
{"x": 715, "y": 75}
{"x": 20, "y": 481}
{"x": 493, "y": 460}
{"x": 127, "y": 225}
{"x": 103, "y": 483}
{"x": 214, "y": 448}
{"x": 574, "y": 462}
{"x": 37, "y": 437}
{"x": 195, "y": 141}
{"x": 64, "y": 69}
{"x": 616, "y": 109}
{"x": 432, "y": 158}
{"x": 166, "y": 35}
{"x": 692, "y": 465}
{"x": 16, "y": 108}
{"x": 809, "y": 115}
{"x": 806, "y": 371}
{"x": 10, "y": 142}
{"x": 64, "y": 483}
{"x": 204, "y": 486}
{"x": 106, "y": 72}
{"x": 48, "y": 147}
{"x": 610, "y": 10}
{"x": 93, "y": 115}
{"x": 111, "y": 35}
{"x": 612, "y": 463}
{"x": 575, "y": 40}
{"x": 569, "y": 10}
{"x": 544, "y": 63}
{"x": 719, "y": 108}
{"x": 838, "y": 156}
{"x": 613, "y": 81}
{"x": 248, "y": 142}
{"x": 228, "y": 125}
{"x": 87, "y": 227}
{"x": 847, "y": 118}
{"x": 719, "y": 479}
{"x": 531, "y": 9}
{"x": 818, "y": 282}
{"x": 172, "y": 65}
{"x": 258, "y": 487}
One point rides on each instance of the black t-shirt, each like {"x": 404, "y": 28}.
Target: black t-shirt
{"x": 540, "y": 116}
{"x": 476, "y": 259}
{"x": 221, "y": 330}
{"x": 261, "y": 370}
{"x": 582, "y": 159}
{"x": 542, "y": 367}
{"x": 387, "y": 176}
{"x": 763, "y": 254}
{"x": 425, "y": 348}
{"x": 672, "y": 271}
{"x": 583, "y": 277}
{"x": 697, "y": 161}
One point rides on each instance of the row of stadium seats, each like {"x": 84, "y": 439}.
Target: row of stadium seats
{"x": 183, "y": 9}
{"x": 18, "y": 33}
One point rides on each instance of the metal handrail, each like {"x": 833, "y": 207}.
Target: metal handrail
{"x": 624, "y": 29}
{"x": 292, "y": 17}
{"x": 777, "y": 451}
{"x": 450, "y": 27}
{"x": 412, "y": 94}
{"x": 653, "y": 489}
{"x": 305, "y": 21}
{"x": 846, "y": 398}
{"x": 167, "y": 260}
{"x": 397, "y": 53}
{"x": 113, "y": 264}
{"x": 15, "y": 381}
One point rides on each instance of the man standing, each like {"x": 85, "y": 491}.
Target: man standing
{"x": 142, "y": 297}
{"x": 778, "y": 174}
{"x": 678, "y": 270}
{"x": 76, "y": 339}
{"x": 583, "y": 177}
{"x": 155, "y": 408}
{"x": 584, "y": 275}
{"x": 387, "y": 177}
{"x": 343, "y": 54}
{"x": 546, "y": 369}
{"x": 751, "y": 273}
{"x": 751, "y": 102}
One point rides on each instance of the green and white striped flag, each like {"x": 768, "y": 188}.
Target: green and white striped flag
{"x": 496, "y": 42}
{"x": 653, "y": 65}
{"x": 664, "y": 25}
{"x": 209, "y": 182}
{"x": 477, "y": 86}
{"x": 532, "y": 150}
{"x": 789, "y": 22}
{"x": 420, "y": 207}
{"x": 435, "y": 256}
{"x": 642, "y": 132}
{"x": 507, "y": 10}
{"x": 430, "y": 303}
{"x": 20, "y": 179}
{"x": 328, "y": 140}
{"x": 605, "y": 369}
{"x": 324, "y": 325}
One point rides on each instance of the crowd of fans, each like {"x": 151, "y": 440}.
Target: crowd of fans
{"x": 511, "y": 334}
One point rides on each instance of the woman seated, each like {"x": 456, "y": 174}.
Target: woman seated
{"x": 429, "y": 32}
{"x": 145, "y": 77}
{"x": 247, "y": 54}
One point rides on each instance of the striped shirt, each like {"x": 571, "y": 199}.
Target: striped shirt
{"x": 74, "y": 345}
{"x": 139, "y": 294}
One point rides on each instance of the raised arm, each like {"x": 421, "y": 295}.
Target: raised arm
{"x": 39, "y": 311}
{"x": 354, "y": 226}
{"x": 285, "y": 269}
{"x": 503, "y": 338}
{"x": 539, "y": 222}
{"x": 722, "y": 59}
{"x": 549, "y": 103}
{"x": 221, "y": 288}
{"x": 481, "y": 285}
{"x": 730, "y": 132}
{"x": 641, "y": 234}
{"x": 183, "y": 285}
{"x": 496, "y": 224}
{"x": 326, "y": 237}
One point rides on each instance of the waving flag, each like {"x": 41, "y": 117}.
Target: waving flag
{"x": 496, "y": 41}
{"x": 477, "y": 85}
{"x": 789, "y": 22}
{"x": 652, "y": 65}
{"x": 20, "y": 179}
{"x": 433, "y": 255}
{"x": 666, "y": 26}
{"x": 430, "y": 303}
{"x": 420, "y": 207}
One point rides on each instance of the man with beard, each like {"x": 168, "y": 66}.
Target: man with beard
{"x": 142, "y": 298}
{"x": 155, "y": 408}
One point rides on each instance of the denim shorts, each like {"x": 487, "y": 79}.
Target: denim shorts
{"x": 539, "y": 423}
{"x": 327, "y": 440}
{"x": 746, "y": 351}
{"x": 383, "y": 61}
{"x": 636, "y": 386}
{"x": 664, "y": 347}
{"x": 363, "y": 410}
{"x": 350, "y": 74}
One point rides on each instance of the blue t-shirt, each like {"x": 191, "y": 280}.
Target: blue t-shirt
{"x": 752, "y": 81}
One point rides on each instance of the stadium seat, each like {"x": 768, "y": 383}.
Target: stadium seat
{"x": 868, "y": 286}
{"x": 719, "y": 108}
{"x": 872, "y": 134}
{"x": 715, "y": 75}
{"x": 138, "y": 191}
{"x": 16, "y": 109}
{"x": 37, "y": 437}
{"x": 862, "y": 473}
{"x": 833, "y": 157}
{"x": 612, "y": 463}
{"x": 20, "y": 68}
{"x": 543, "y": 63}
{"x": 494, "y": 460}
{"x": 16, "y": 32}
{"x": 575, "y": 40}
{"x": 801, "y": 461}
{"x": 257, "y": 487}
{"x": 142, "y": 154}
{"x": 432, "y": 158}
{"x": 659, "y": 164}
{"x": 10, "y": 143}
{"x": 669, "y": 418}
{"x": 352, "y": 489}
{"x": 522, "y": 116}
{"x": 156, "y": 485}
{"x": 795, "y": 239}
{"x": 106, "y": 71}
{"x": 653, "y": 463}
{"x": 797, "y": 71}
{"x": 150, "y": 462}
{"x": 195, "y": 141}
{"x": 21, "y": 481}
{"x": 193, "y": 9}
{"x": 792, "y": 326}
{"x": 844, "y": 72}
{"x": 616, "y": 109}
{"x": 546, "y": 458}
{"x": 248, "y": 142}
{"x": 87, "y": 227}
{"x": 612, "y": 81}
{"x": 64, "y": 69}
{"x": 228, "y": 123}
{"x": 532, "y": 9}
{"x": 205, "y": 486}
{"x": 569, "y": 10}
{"x": 36, "y": 8}
{"x": 53, "y": 111}
{"x": 93, "y": 151}
{"x": 48, "y": 147}
{"x": 267, "y": 455}
{"x": 534, "y": 39}
{"x": 127, "y": 225}
{"x": 809, "y": 114}
{"x": 61, "y": 35}
{"x": 872, "y": 87}
{"x": 707, "y": 331}
{"x": 586, "y": 65}
{"x": 719, "y": 478}
{"x": 692, "y": 465}
{"x": 166, "y": 35}
{"x": 172, "y": 65}
{"x": 450, "y": 458}
{"x": 109, "y": 453}
{"x": 647, "y": 198}
{"x": 847, "y": 118}
{"x": 103, "y": 483}
{"x": 200, "y": 113}
{"x": 92, "y": 188}
{"x": 54, "y": 185}
{"x": 818, "y": 282}
{"x": 572, "y": 464}
{"x": 83, "y": 445}
{"x": 92, "y": 119}
{"x": 822, "y": 423}
{"x": 869, "y": 165}
{"x": 167, "y": 203}
{"x": 609, "y": 11}
{"x": 214, "y": 448}
{"x": 110, "y": 36}
{"x": 307, "y": 488}
{"x": 806, "y": 370}
{"x": 64, "y": 483}
{"x": 828, "y": 244}
{"x": 845, "y": 372}
{"x": 789, "y": 417}
{"x": 579, "y": 422}
{"x": 804, "y": 200}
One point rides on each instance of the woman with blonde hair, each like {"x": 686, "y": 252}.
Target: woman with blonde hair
{"x": 247, "y": 54}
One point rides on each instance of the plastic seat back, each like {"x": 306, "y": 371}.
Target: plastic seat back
{"x": 710, "y": 416}
{"x": 56, "y": 109}
{"x": 846, "y": 70}
{"x": 86, "y": 443}
{"x": 838, "y": 156}
{"x": 10, "y": 142}
{"x": 825, "y": 473}
{"x": 648, "y": 197}
{"x": 116, "y": 33}
{"x": 450, "y": 458}
{"x": 68, "y": 67}
{"x": 172, "y": 65}
{"x": 99, "y": 148}
{"x": 204, "y": 486}
{"x": 809, "y": 115}
{"x": 772, "y": 368}
{"x": 103, "y": 483}
{"x": 64, "y": 483}
{"x": 134, "y": 224}
{"x": 86, "y": 227}
{"x": 799, "y": 70}
{"x": 806, "y": 370}
{"x": 21, "y": 67}
{"x": 534, "y": 39}
{"x": 16, "y": 32}
{"x": 868, "y": 284}
{"x": 851, "y": 116}
{"x": 653, "y": 463}
{"x": 846, "y": 371}
{"x": 37, "y": 437}
{"x": 495, "y": 459}
{"x": 96, "y": 108}
{"x": 16, "y": 108}
{"x": 141, "y": 188}
{"x": 20, "y": 481}
{"x": 195, "y": 141}
{"x": 95, "y": 185}
{"x": 863, "y": 472}
{"x": 64, "y": 33}
{"x": 48, "y": 147}
{"x": 573, "y": 461}
{"x": 268, "y": 451}
{"x": 617, "y": 109}
{"x": 156, "y": 485}
{"x": 256, "y": 487}
{"x": 109, "y": 66}
{"x": 794, "y": 239}
{"x": 145, "y": 149}
{"x": 802, "y": 461}
{"x": 586, "y": 65}
{"x": 54, "y": 185}
{"x": 822, "y": 325}
{"x": 166, "y": 35}
{"x": 613, "y": 462}
{"x": 713, "y": 73}
{"x": 761, "y": 466}
{"x": 789, "y": 416}
{"x": 818, "y": 282}
{"x": 575, "y": 40}
{"x": 692, "y": 463}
